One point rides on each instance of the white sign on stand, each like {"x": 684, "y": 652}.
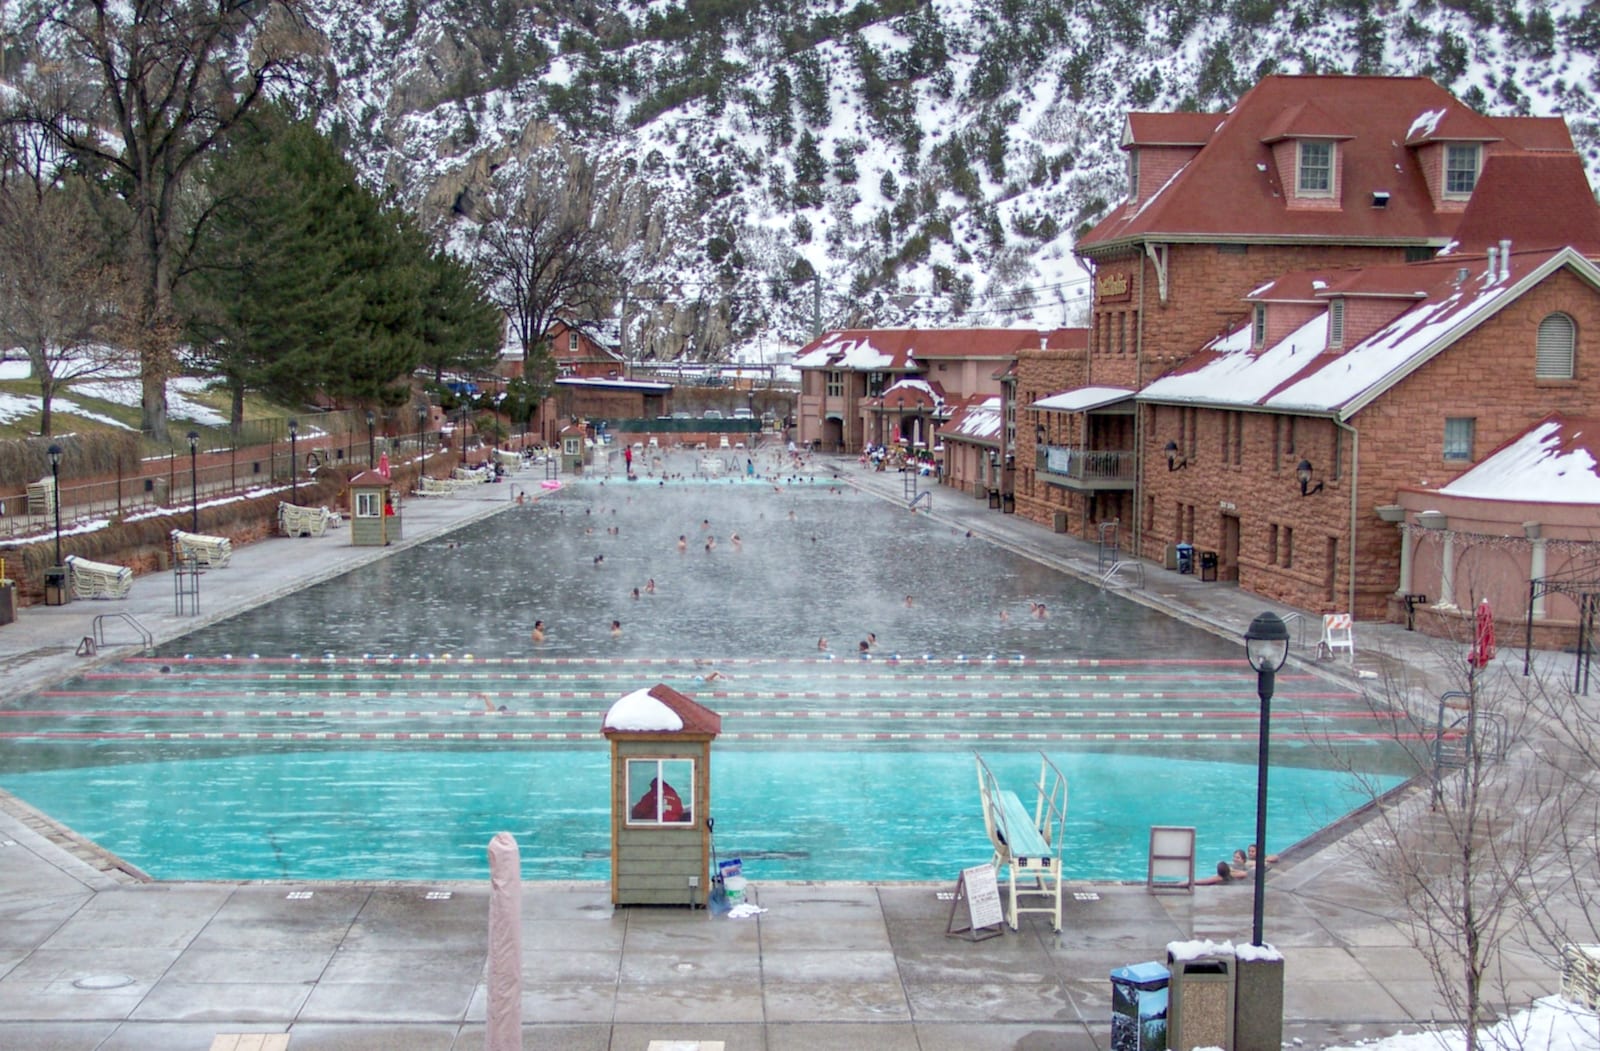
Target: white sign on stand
{"x": 979, "y": 894}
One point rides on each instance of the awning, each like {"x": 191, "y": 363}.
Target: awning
{"x": 1083, "y": 399}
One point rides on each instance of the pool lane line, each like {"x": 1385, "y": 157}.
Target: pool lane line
{"x": 370, "y": 676}
{"x": 633, "y": 662}
{"x": 802, "y": 713}
{"x": 736, "y": 735}
{"x": 1187, "y": 696}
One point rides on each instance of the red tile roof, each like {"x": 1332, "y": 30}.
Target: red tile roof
{"x": 901, "y": 349}
{"x": 1170, "y": 129}
{"x": 1231, "y": 187}
{"x": 1307, "y": 120}
{"x": 1538, "y": 200}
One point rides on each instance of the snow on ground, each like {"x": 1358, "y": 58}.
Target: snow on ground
{"x": 181, "y": 402}
{"x": 1552, "y": 1024}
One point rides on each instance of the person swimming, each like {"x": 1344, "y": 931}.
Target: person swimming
{"x": 650, "y": 586}
{"x": 616, "y": 628}
{"x": 488, "y": 705}
{"x": 822, "y": 644}
{"x": 683, "y": 542}
{"x": 538, "y": 631}
{"x": 636, "y": 594}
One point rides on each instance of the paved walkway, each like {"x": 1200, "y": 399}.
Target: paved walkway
{"x": 92, "y": 957}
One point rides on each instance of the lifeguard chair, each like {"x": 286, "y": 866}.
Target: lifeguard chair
{"x": 660, "y": 797}
{"x": 374, "y": 519}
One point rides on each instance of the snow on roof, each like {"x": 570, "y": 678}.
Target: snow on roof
{"x": 911, "y": 390}
{"x": 1298, "y": 374}
{"x": 640, "y": 712}
{"x": 1082, "y": 399}
{"x": 1426, "y": 123}
{"x": 1552, "y": 463}
{"x": 980, "y": 421}
{"x": 585, "y": 381}
{"x": 858, "y": 354}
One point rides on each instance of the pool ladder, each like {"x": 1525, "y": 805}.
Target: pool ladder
{"x": 1133, "y": 571}
{"x": 96, "y": 640}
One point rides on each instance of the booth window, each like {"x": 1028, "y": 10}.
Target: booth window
{"x": 657, "y": 789}
{"x": 369, "y": 505}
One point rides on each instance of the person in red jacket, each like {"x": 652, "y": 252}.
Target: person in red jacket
{"x": 671, "y": 805}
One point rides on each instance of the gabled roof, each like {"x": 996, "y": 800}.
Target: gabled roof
{"x": 1231, "y": 190}
{"x": 1307, "y": 120}
{"x": 904, "y": 349}
{"x": 1169, "y": 129}
{"x": 1553, "y": 462}
{"x": 911, "y": 393}
{"x": 1298, "y": 374}
{"x": 656, "y": 710}
{"x": 977, "y": 420}
{"x": 1539, "y": 200}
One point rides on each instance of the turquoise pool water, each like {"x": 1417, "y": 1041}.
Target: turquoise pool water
{"x": 340, "y": 732}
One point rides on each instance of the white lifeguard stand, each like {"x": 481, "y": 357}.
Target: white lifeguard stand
{"x": 1338, "y": 633}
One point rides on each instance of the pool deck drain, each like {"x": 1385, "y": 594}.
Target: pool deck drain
{"x": 828, "y": 965}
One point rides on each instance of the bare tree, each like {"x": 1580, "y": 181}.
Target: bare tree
{"x": 141, "y": 91}
{"x": 541, "y": 246}
{"x": 61, "y": 290}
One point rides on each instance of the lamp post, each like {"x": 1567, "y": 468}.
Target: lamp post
{"x": 1266, "y": 644}
{"x": 194, "y": 489}
{"x": 294, "y": 462}
{"x": 55, "y": 486}
{"x": 463, "y": 435}
{"x": 371, "y": 419}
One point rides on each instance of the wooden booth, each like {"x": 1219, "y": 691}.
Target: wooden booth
{"x": 374, "y": 521}
{"x": 573, "y": 439}
{"x": 660, "y": 797}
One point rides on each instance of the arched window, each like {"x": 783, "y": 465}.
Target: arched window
{"x": 1558, "y": 338}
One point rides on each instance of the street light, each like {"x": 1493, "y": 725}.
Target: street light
{"x": 1266, "y": 644}
{"x": 463, "y": 435}
{"x": 294, "y": 466}
{"x": 371, "y": 419}
{"x": 55, "y": 486}
{"x": 194, "y": 489}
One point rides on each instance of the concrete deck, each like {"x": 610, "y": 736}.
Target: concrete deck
{"x": 93, "y": 958}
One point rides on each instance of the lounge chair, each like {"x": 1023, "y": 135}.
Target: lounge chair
{"x": 212, "y": 552}
{"x": 99, "y": 579}
{"x": 304, "y": 521}
{"x": 1027, "y": 840}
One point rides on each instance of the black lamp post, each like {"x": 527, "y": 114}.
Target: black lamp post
{"x": 371, "y": 455}
{"x": 463, "y": 436}
{"x": 422, "y": 430}
{"x": 294, "y": 462}
{"x": 1266, "y": 644}
{"x": 194, "y": 488}
{"x": 55, "y": 485}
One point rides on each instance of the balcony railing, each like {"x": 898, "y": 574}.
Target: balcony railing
{"x": 1089, "y": 468}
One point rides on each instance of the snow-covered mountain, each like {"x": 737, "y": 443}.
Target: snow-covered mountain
{"x": 776, "y": 166}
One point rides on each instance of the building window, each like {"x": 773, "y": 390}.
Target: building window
{"x": 1336, "y": 323}
{"x": 876, "y": 381}
{"x": 1458, "y": 437}
{"x": 1258, "y": 330}
{"x": 1122, "y": 333}
{"x": 1133, "y": 175}
{"x": 1558, "y": 340}
{"x": 572, "y": 341}
{"x": 835, "y": 384}
{"x": 1272, "y": 544}
{"x": 1315, "y": 177}
{"x": 1419, "y": 253}
{"x": 1286, "y": 549}
{"x": 1460, "y": 170}
{"x": 654, "y": 787}
{"x": 369, "y": 505}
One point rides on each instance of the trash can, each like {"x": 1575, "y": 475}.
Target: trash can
{"x": 1169, "y": 557}
{"x": 994, "y": 498}
{"x": 56, "y": 586}
{"x": 1208, "y": 565}
{"x": 1185, "y": 558}
{"x": 1200, "y": 1013}
{"x": 1008, "y": 503}
{"x": 1139, "y": 1007}
{"x": 1058, "y": 521}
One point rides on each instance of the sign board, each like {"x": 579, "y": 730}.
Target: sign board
{"x": 978, "y": 893}
{"x": 1171, "y": 859}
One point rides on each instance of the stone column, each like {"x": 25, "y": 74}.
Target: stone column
{"x": 1536, "y": 556}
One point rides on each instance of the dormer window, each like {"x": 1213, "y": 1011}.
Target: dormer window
{"x": 1133, "y": 175}
{"x": 1461, "y": 169}
{"x": 1258, "y": 327}
{"x": 1315, "y": 175}
{"x": 572, "y": 341}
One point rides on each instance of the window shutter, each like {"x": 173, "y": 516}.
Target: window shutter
{"x": 1336, "y": 323}
{"x": 1557, "y": 337}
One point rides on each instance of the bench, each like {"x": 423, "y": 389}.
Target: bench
{"x": 1027, "y": 839}
{"x": 295, "y": 520}
{"x": 435, "y": 486}
{"x": 469, "y": 475}
{"x": 99, "y": 579}
{"x": 212, "y": 552}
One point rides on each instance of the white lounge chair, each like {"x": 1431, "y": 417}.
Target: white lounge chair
{"x": 98, "y": 579}
{"x": 295, "y": 520}
{"x": 212, "y": 552}
{"x": 1027, "y": 841}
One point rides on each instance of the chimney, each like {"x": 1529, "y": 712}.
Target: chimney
{"x": 1505, "y": 258}
{"x": 1492, "y": 268}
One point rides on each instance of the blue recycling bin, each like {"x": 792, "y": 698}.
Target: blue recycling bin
{"x": 1139, "y": 1007}
{"x": 1185, "y": 558}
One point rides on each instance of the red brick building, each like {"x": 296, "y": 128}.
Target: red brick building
{"x": 1261, "y": 253}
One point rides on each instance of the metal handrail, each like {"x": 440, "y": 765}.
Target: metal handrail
{"x": 98, "y": 627}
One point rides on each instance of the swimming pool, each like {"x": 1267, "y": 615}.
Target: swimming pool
{"x": 340, "y": 733}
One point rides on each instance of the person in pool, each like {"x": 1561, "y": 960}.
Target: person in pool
{"x": 616, "y": 628}
{"x": 538, "y": 631}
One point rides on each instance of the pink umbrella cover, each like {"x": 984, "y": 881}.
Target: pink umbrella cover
{"x": 504, "y": 1029}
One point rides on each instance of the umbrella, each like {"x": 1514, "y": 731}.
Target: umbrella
{"x": 1482, "y": 651}
{"x": 504, "y": 1029}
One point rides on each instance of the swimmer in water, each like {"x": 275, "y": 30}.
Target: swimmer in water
{"x": 1004, "y": 616}
{"x": 1040, "y": 611}
{"x": 538, "y": 631}
{"x": 616, "y": 628}
{"x": 636, "y": 594}
{"x": 683, "y": 542}
{"x": 822, "y": 645}
{"x": 650, "y": 586}
{"x": 489, "y": 705}
{"x": 908, "y": 602}
{"x": 598, "y": 559}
